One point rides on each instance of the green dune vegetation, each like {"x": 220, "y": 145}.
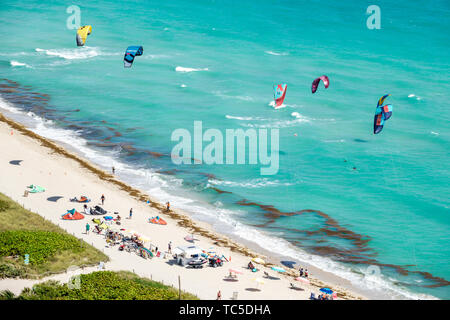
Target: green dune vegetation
{"x": 101, "y": 285}
{"x": 32, "y": 247}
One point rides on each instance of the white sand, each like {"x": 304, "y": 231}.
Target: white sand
{"x": 65, "y": 177}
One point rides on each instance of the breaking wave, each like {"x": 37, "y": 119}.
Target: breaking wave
{"x": 183, "y": 69}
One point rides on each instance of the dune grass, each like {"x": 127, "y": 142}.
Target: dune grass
{"x": 101, "y": 285}
{"x": 19, "y": 229}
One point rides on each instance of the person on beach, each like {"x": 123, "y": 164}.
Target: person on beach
{"x": 306, "y": 273}
{"x": 113, "y": 170}
{"x": 170, "y": 246}
{"x": 167, "y": 206}
{"x": 219, "y": 295}
{"x": 103, "y": 199}
{"x": 87, "y": 228}
{"x": 301, "y": 272}
{"x": 131, "y": 213}
{"x": 85, "y": 208}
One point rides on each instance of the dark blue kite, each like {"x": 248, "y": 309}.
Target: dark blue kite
{"x": 132, "y": 51}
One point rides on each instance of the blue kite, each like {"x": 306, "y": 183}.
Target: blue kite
{"x": 132, "y": 51}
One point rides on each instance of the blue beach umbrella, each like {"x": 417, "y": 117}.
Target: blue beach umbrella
{"x": 278, "y": 269}
{"x": 326, "y": 290}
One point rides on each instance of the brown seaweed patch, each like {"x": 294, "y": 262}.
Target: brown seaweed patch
{"x": 168, "y": 172}
{"x": 208, "y": 175}
{"x": 154, "y": 154}
{"x": 360, "y": 254}
{"x": 103, "y": 145}
{"x": 219, "y": 191}
{"x": 128, "y": 148}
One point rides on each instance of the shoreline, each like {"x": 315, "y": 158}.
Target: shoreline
{"x": 199, "y": 228}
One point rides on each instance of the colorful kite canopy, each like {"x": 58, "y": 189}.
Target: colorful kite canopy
{"x": 82, "y": 34}
{"x": 279, "y": 94}
{"x": 72, "y": 215}
{"x": 316, "y": 82}
{"x": 382, "y": 113}
{"x": 132, "y": 51}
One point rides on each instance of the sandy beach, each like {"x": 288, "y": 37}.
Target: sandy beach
{"x": 66, "y": 175}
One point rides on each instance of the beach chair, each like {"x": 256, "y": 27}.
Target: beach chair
{"x": 293, "y": 286}
{"x": 235, "y": 295}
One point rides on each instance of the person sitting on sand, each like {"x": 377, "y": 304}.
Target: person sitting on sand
{"x": 251, "y": 266}
{"x": 306, "y": 273}
{"x": 301, "y": 272}
{"x": 85, "y": 209}
{"x": 118, "y": 218}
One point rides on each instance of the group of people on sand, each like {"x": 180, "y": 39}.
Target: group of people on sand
{"x": 303, "y": 273}
{"x": 86, "y": 210}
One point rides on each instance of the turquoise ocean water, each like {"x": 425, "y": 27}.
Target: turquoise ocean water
{"x": 384, "y": 225}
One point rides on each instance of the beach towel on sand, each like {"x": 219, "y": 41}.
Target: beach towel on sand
{"x": 34, "y": 188}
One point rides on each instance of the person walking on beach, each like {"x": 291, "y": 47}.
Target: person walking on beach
{"x": 113, "y": 170}
{"x": 103, "y": 199}
{"x": 87, "y": 228}
{"x": 170, "y": 246}
{"x": 168, "y": 206}
{"x": 131, "y": 213}
{"x": 219, "y": 295}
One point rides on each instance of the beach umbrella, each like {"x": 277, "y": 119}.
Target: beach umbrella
{"x": 235, "y": 271}
{"x": 258, "y": 281}
{"x": 326, "y": 290}
{"x": 258, "y": 260}
{"x": 103, "y": 226}
{"x": 144, "y": 238}
{"x": 278, "y": 269}
{"x": 304, "y": 280}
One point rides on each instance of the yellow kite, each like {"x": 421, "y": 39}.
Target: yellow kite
{"x": 82, "y": 34}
